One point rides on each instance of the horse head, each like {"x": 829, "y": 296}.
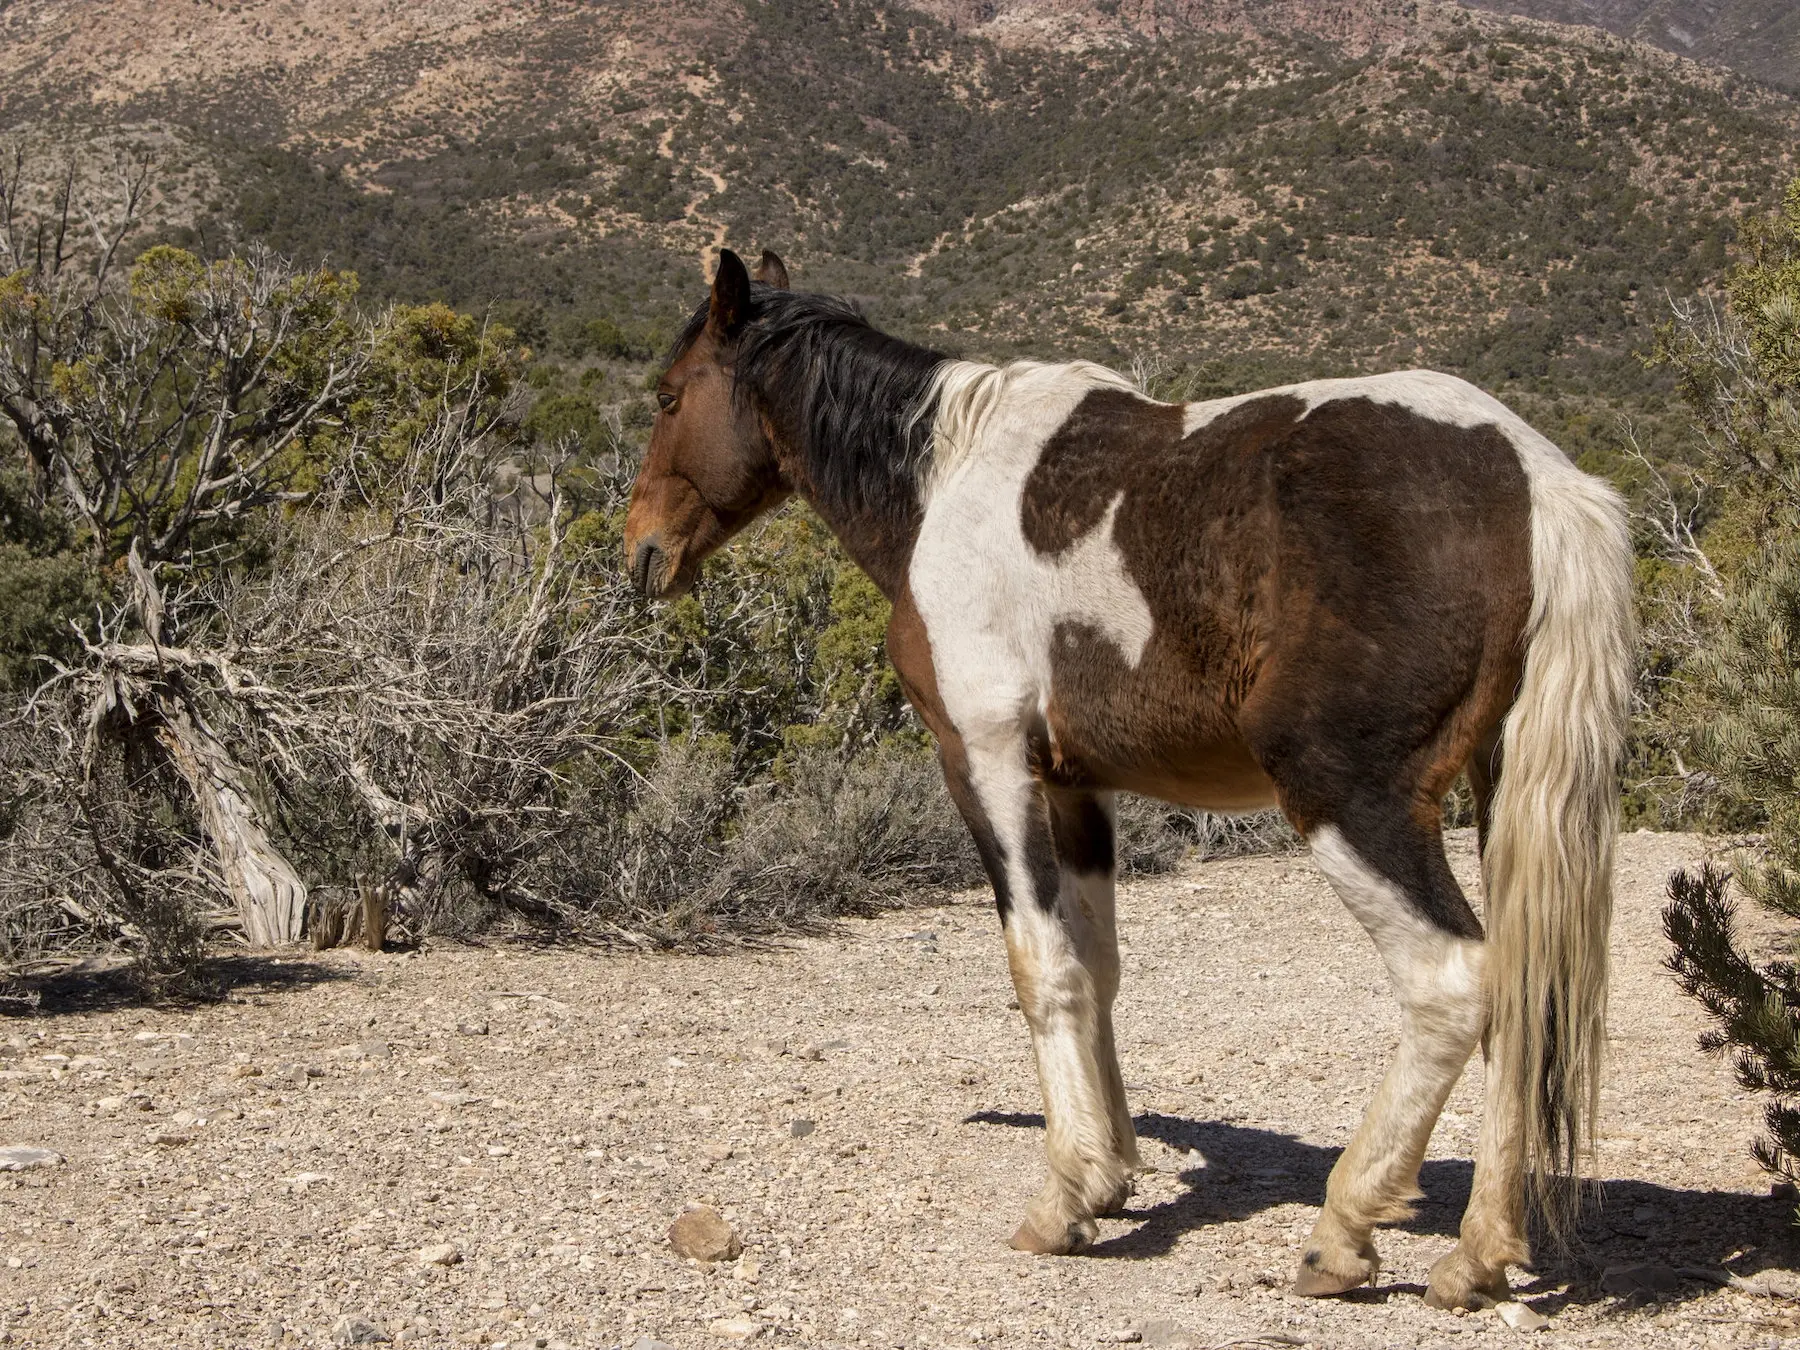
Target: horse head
{"x": 710, "y": 469}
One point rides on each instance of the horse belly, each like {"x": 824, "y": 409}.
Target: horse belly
{"x": 1160, "y": 729}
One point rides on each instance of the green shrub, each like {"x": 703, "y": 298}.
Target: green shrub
{"x": 1741, "y": 692}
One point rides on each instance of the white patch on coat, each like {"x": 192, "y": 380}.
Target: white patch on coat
{"x": 1424, "y": 963}
{"x": 967, "y": 396}
{"x": 990, "y": 601}
{"x": 1439, "y": 397}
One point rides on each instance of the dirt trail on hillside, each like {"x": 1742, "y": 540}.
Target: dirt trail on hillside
{"x": 860, "y": 1105}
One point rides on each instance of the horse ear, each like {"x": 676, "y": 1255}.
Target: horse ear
{"x": 730, "y": 295}
{"x": 771, "y": 271}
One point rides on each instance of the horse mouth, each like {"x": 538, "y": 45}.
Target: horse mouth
{"x": 656, "y": 575}
{"x": 647, "y": 567}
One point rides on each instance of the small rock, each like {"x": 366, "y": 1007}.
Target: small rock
{"x": 1166, "y": 1332}
{"x": 440, "y": 1254}
{"x": 306, "y": 1181}
{"x": 1122, "y": 1336}
{"x": 737, "y": 1328}
{"x": 703, "y": 1234}
{"x": 111, "y": 1103}
{"x": 472, "y": 1028}
{"x": 1648, "y": 1280}
{"x": 811, "y": 1052}
{"x": 245, "y": 1071}
{"x": 146, "y": 1037}
{"x": 801, "y": 1128}
{"x": 650, "y": 1343}
{"x": 18, "y": 1157}
{"x": 499, "y": 1151}
{"x": 715, "y": 1150}
{"x": 1521, "y": 1318}
{"x": 358, "y": 1331}
{"x": 453, "y": 1098}
{"x": 747, "y": 1270}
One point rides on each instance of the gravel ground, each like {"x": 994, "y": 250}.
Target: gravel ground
{"x": 860, "y": 1107}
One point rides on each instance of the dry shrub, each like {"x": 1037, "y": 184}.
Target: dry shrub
{"x": 1155, "y": 837}
{"x": 97, "y": 850}
{"x": 699, "y": 853}
{"x": 849, "y": 836}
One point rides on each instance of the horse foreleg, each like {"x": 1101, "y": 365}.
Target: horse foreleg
{"x": 1050, "y": 858}
{"x": 1436, "y": 977}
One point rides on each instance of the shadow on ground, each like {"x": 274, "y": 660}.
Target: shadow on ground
{"x": 1248, "y": 1170}
{"x": 225, "y": 978}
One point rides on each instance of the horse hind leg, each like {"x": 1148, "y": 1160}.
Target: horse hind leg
{"x": 1430, "y": 943}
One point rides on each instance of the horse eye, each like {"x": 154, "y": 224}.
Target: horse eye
{"x": 667, "y": 401}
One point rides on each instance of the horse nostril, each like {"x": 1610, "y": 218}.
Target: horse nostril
{"x": 646, "y": 566}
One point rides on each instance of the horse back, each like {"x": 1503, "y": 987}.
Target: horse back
{"x": 1334, "y": 580}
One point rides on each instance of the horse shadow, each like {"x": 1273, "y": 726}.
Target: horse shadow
{"x": 1625, "y": 1222}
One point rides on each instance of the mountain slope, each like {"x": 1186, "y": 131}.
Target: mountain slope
{"x": 1437, "y": 186}
{"x": 1758, "y": 37}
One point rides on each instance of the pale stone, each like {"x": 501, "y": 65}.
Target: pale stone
{"x": 1520, "y": 1318}
{"x": 703, "y": 1234}
{"x": 18, "y": 1157}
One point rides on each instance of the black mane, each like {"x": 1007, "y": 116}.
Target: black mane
{"x": 850, "y": 399}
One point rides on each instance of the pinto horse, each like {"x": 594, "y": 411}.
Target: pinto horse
{"x": 1333, "y": 597}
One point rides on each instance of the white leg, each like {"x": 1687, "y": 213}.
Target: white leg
{"x": 1056, "y": 898}
{"x": 1473, "y": 1273}
{"x": 1437, "y": 978}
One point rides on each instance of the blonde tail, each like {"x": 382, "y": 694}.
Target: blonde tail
{"x": 1548, "y": 859}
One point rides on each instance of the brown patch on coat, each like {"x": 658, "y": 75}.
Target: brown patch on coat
{"x": 1339, "y": 602}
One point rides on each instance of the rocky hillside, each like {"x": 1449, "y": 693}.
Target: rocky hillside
{"x": 1759, "y": 37}
{"x": 1237, "y": 190}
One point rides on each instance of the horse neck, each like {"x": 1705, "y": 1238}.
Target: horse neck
{"x": 854, "y": 444}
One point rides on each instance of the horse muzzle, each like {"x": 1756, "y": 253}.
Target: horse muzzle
{"x": 655, "y": 573}
{"x": 648, "y": 563}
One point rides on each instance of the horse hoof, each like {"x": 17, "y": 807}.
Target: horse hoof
{"x": 1319, "y": 1278}
{"x": 1074, "y": 1237}
{"x": 1455, "y": 1283}
{"x": 1115, "y": 1201}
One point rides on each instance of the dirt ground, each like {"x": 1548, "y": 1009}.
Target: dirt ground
{"x": 861, "y": 1107}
